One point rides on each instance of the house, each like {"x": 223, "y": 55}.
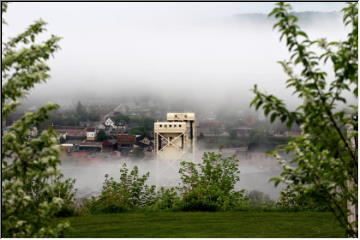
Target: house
{"x": 71, "y": 132}
{"x": 109, "y": 145}
{"x": 146, "y": 147}
{"x": 66, "y": 147}
{"x": 145, "y": 140}
{"x": 109, "y": 123}
{"x": 115, "y": 132}
{"x": 90, "y": 147}
{"x": 90, "y": 134}
{"x": 121, "y": 127}
{"x": 243, "y": 131}
{"x": 126, "y": 141}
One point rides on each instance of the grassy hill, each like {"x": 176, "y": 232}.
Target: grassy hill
{"x": 207, "y": 225}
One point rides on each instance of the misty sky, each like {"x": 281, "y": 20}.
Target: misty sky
{"x": 196, "y": 51}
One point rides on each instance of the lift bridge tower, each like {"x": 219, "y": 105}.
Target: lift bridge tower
{"x": 175, "y": 141}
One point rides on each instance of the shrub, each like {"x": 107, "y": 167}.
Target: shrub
{"x": 129, "y": 193}
{"x": 67, "y": 192}
{"x": 209, "y": 186}
{"x": 166, "y": 199}
{"x": 294, "y": 200}
{"x": 257, "y": 198}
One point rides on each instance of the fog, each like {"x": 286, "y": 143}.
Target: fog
{"x": 90, "y": 175}
{"x": 195, "y": 55}
{"x": 208, "y": 54}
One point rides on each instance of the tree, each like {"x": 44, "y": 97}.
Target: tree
{"x": 119, "y": 117}
{"x": 209, "y": 186}
{"x": 32, "y": 190}
{"x": 138, "y": 131}
{"x": 259, "y": 198}
{"x": 101, "y": 136}
{"x": 94, "y": 113}
{"x": 81, "y": 111}
{"x": 326, "y": 158}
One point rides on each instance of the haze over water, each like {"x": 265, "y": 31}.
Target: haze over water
{"x": 196, "y": 55}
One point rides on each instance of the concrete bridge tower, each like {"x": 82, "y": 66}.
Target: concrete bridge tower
{"x": 176, "y": 137}
{"x": 175, "y": 141}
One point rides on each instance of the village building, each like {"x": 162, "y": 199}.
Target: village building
{"x": 90, "y": 134}
{"x": 67, "y": 147}
{"x": 71, "y": 132}
{"x": 243, "y": 131}
{"x": 90, "y": 147}
{"x": 145, "y": 140}
{"x": 126, "y": 141}
{"x": 109, "y": 145}
{"x": 109, "y": 123}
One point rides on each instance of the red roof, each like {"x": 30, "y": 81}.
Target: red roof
{"x": 108, "y": 143}
{"x": 72, "y": 132}
{"x": 126, "y": 139}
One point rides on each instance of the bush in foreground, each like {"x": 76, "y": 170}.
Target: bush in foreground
{"x": 129, "y": 193}
{"x": 209, "y": 186}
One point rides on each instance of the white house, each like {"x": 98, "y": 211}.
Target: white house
{"x": 90, "y": 134}
{"x": 109, "y": 122}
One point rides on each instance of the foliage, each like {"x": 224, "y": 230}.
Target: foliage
{"x": 291, "y": 199}
{"x": 119, "y": 117}
{"x": 72, "y": 117}
{"x": 259, "y": 198}
{"x": 66, "y": 191}
{"x": 130, "y": 192}
{"x": 143, "y": 125}
{"x": 209, "y": 186}
{"x": 138, "y": 131}
{"x": 32, "y": 190}
{"x": 94, "y": 113}
{"x": 146, "y": 125}
{"x": 326, "y": 158}
{"x": 101, "y": 136}
{"x": 81, "y": 112}
{"x": 67, "y": 118}
{"x": 166, "y": 199}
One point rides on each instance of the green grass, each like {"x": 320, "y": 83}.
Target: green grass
{"x": 206, "y": 224}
